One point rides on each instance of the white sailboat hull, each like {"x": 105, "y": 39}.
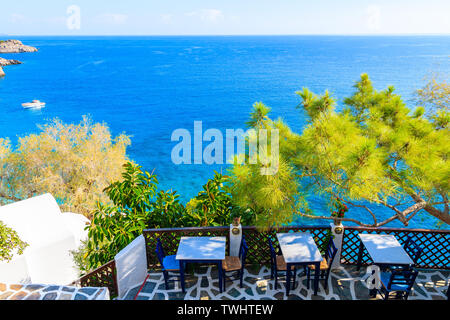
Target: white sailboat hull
{"x": 33, "y": 105}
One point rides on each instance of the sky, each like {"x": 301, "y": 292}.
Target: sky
{"x": 225, "y": 17}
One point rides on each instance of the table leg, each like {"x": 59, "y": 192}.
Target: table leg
{"x": 316, "y": 278}
{"x": 288, "y": 278}
{"x": 219, "y": 266}
{"x": 373, "y": 291}
{"x": 360, "y": 253}
{"x": 182, "y": 276}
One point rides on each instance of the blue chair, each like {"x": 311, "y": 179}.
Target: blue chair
{"x": 235, "y": 265}
{"x": 170, "y": 267}
{"x": 399, "y": 281}
{"x": 278, "y": 265}
{"x": 413, "y": 249}
{"x": 325, "y": 264}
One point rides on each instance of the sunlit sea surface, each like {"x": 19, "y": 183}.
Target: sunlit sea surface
{"x": 149, "y": 86}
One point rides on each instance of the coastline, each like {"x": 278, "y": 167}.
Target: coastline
{"x": 6, "y": 62}
{"x": 12, "y": 46}
{"x": 15, "y": 46}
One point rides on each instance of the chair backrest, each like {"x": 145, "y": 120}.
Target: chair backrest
{"x": 403, "y": 278}
{"x": 330, "y": 253}
{"x": 413, "y": 249}
{"x": 160, "y": 251}
{"x": 273, "y": 255}
{"x": 243, "y": 251}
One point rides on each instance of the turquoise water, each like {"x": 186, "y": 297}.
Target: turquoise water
{"x": 150, "y": 86}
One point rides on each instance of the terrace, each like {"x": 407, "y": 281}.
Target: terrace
{"x": 345, "y": 282}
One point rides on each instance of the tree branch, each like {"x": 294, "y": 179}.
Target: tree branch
{"x": 8, "y": 197}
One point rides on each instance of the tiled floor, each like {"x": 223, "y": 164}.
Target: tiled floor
{"x": 50, "y": 292}
{"x": 344, "y": 284}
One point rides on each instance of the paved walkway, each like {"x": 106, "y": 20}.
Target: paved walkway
{"x": 343, "y": 284}
{"x": 50, "y": 292}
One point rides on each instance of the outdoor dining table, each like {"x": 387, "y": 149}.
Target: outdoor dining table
{"x": 209, "y": 250}
{"x": 384, "y": 250}
{"x": 299, "y": 248}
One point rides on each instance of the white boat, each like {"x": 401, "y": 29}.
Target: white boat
{"x": 35, "y": 104}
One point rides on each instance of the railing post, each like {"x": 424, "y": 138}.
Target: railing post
{"x": 338, "y": 235}
{"x": 235, "y": 239}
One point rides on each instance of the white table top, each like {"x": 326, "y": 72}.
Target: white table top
{"x": 385, "y": 249}
{"x": 298, "y": 247}
{"x": 201, "y": 248}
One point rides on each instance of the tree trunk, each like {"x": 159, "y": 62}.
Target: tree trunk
{"x": 441, "y": 215}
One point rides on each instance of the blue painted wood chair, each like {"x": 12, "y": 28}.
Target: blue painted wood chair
{"x": 234, "y": 266}
{"x": 413, "y": 249}
{"x": 325, "y": 264}
{"x": 278, "y": 266}
{"x": 169, "y": 265}
{"x": 398, "y": 281}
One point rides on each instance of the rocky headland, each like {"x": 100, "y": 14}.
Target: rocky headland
{"x": 12, "y": 46}
{"x": 15, "y": 46}
{"x": 7, "y": 62}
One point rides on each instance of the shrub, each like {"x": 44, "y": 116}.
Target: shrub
{"x": 10, "y": 243}
{"x": 72, "y": 162}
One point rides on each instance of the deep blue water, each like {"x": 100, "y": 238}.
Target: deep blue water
{"x": 150, "y": 86}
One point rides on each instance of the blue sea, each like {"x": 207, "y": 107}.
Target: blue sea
{"x": 149, "y": 86}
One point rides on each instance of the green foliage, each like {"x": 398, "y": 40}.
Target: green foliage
{"x": 375, "y": 150}
{"x": 339, "y": 208}
{"x": 168, "y": 211}
{"x": 10, "y": 243}
{"x": 114, "y": 226}
{"x": 315, "y": 105}
{"x": 434, "y": 97}
{"x": 213, "y": 206}
{"x": 134, "y": 191}
{"x": 271, "y": 198}
{"x": 137, "y": 204}
{"x": 80, "y": 258}
{"x": 259, "y": 116}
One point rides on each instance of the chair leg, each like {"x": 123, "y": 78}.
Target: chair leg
{"x": 308, "y": 277}
{"x": 241, "y": 276}
{"x": 295, "y": 279}
{"x": 326, "y": 280}
{"x": 276, "y": 280}
{"x": 166, "y": 279}
{"x": 224, "y": 280}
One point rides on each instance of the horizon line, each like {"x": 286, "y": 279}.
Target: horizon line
{"x": 227, "y": 35}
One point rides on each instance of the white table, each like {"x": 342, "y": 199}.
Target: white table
{"x": 384, "y": 250}
{"x": 299, "y": 248}
{"x": 201, "y": 250}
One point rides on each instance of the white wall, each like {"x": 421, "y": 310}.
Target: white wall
{"x": 51, "y": 236}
